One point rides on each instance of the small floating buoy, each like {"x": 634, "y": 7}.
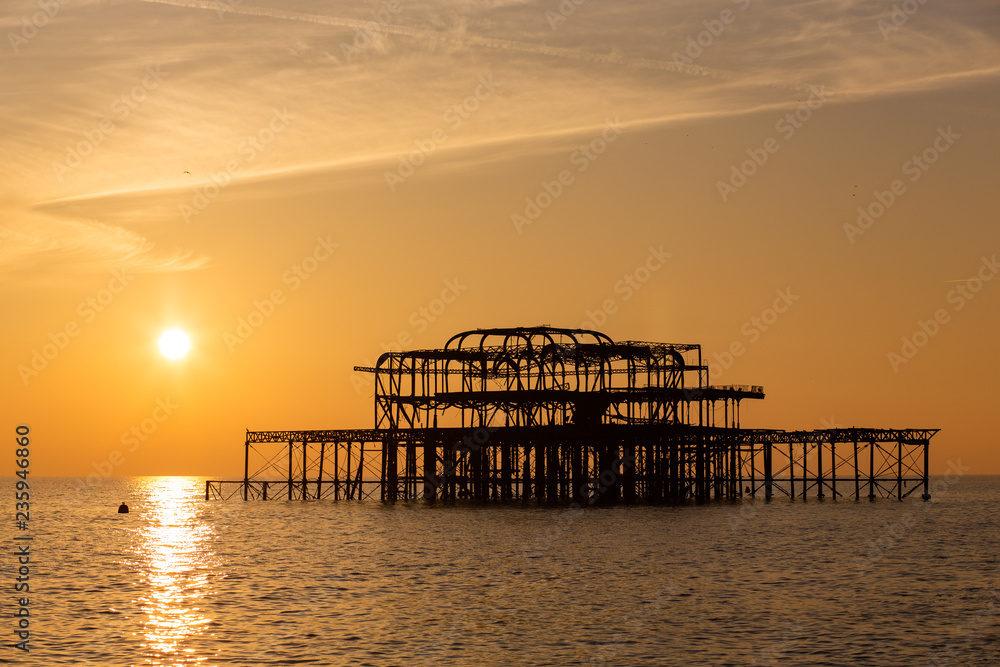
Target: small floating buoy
{"x": 123, "y": 508}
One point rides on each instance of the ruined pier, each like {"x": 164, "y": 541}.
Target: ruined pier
{"x": 552, "y": 415}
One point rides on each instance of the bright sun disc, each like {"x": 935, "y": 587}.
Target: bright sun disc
{"x": 174, "y": 344}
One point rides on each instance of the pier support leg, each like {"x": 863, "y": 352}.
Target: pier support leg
{"x": 833, "y": 469}
{"x": 552, "y": 472}
{"x": 305, "y": 467}
{"x": 430, "y": 470}
{"x": 699, "y": 470}
{"x": 927, "y": 462}
{"x": 391, "y": 477}
{"x": 526, "y": 475}
{"x": 734, "y": 490}
{"x": 857, "y": 473}
{"x": 819, "y": 470}
{"x": 768, "y": 475}
{"x": 871, "y": 471}
{"x": 319, "y": 476}
{"x": 899, "y": 470}
{"x": 539, "y": 471}
{"x": 290, "y": 469}
{"x": 506, "y": 455}
{"x": 805, "y": 470}
{"x": 336, "y": 471}
{"x": 791, "y": 470}
{"x": 246, "y": 469}
{"x": 448, "y": 471}
{"x": 578, "y": 474}
{"x": 628, "y": 473}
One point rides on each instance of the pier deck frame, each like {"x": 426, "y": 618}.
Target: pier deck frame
{"x": 606, "y": 464}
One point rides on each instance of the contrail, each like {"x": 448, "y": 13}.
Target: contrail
{"x": 468, "y": 40}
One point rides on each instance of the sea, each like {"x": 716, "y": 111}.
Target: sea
{"x": 184, "y": 581}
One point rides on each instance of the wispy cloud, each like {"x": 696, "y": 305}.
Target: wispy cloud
{"x": 51, "y": 246}
{"x": 466, "y": 40}
{"x": 223, "y": 78}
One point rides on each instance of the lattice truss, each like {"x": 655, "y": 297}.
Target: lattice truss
{"x": 857, "y": 463}
{"x": 299, "y": 470}
{"x": 541, "y": 376}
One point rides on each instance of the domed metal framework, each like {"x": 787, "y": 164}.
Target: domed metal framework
{"x": 544, "y": 376}
{"x": 569, "y": 415}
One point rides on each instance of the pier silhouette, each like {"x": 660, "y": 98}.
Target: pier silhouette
{"x": 552, "y": 415}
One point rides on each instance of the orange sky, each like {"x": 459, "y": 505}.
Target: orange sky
{"x": 339, "y": 168}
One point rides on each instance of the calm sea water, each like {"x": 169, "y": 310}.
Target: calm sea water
{"x": 182, "y": 581}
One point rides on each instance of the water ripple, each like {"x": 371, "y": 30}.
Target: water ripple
{"x": 183, "y": 582}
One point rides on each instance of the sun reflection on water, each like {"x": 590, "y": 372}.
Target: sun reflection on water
{"x": 175, "y": 547}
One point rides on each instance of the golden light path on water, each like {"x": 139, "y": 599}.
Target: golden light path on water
{"x": 173, "y": 545}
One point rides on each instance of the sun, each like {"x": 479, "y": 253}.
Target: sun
{"x": 174, "y": 344}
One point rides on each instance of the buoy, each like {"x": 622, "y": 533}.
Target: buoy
{"x": 123, "y": 508}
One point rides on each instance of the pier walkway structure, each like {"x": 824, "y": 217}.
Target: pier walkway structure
{"x": 551, "y": 415}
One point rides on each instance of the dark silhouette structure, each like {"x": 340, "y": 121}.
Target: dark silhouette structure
{"x": 567, "y": 415}
{"x": 123, "y": 508}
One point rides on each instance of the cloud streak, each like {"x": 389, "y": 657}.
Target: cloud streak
{"x": 554, "y": 85}
{"x": 47, "y": 245}
{"x": 464, "y": 40}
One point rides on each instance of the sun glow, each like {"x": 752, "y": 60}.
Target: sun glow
{"x": 174, "y": 344}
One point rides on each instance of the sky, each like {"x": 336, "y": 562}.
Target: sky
{"x": 807, "y": 189}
